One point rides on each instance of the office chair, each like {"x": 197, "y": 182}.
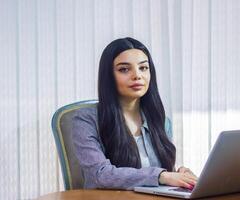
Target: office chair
{"x": 62, "y": 131}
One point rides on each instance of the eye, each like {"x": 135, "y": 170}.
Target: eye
{"x": 123, "y": 69}
{"x": 143, "y": 68}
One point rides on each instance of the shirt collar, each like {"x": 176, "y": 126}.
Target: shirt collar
{"x": 144, "y": 124}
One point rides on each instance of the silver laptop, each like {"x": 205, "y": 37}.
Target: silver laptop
{"x": 220, "y": 175}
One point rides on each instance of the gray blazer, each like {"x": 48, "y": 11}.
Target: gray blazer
{"x": 97, "y": 170}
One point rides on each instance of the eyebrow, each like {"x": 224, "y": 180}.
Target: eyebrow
{"x": 126, "y": 63}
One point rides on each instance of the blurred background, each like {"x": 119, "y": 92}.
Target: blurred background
{"x": 49, "y": 55}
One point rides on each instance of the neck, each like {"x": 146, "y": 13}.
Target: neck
{"x": 130, "y": 105}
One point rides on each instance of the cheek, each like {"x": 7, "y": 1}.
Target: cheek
{"x": 147, "y": 81}
{"x": 147, "y": 78}
{"x": 121, "y": 81}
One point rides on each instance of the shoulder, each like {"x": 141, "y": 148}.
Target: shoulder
{"x": 85, "y": 122}
{"x": 86, "y": 117}
{"x": 89, "y": 112}
{"x": 85, "y": 126}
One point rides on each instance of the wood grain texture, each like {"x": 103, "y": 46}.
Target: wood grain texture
{"x": 116, "y": 195}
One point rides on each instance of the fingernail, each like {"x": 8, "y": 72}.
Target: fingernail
{"x": 191, "y": 187}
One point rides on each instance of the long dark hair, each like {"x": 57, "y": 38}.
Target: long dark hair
{"x": 120, "y": 146}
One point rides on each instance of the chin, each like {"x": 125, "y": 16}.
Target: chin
{"x": 133, "y": 95}
{"x": 139, "y": 95}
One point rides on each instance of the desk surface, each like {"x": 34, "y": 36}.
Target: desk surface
{"x": 116, "y": 195}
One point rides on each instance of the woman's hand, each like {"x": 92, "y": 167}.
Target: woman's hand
{"x": 182, "y": 178}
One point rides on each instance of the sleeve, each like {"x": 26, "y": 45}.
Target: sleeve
{"x": 97, "y": 170}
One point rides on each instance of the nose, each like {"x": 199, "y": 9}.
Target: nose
{"x": 136, "y": 74}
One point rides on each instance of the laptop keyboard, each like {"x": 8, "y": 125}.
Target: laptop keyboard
{"x": 181, "y": 190}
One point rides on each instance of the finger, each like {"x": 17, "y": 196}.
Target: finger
{"x": 179, "y": 169}
{"x": 192, "y": 182}
{"x": 194, "y": 178}
{"x": 185, "y": 184}
{"x": 190, "y": 172}
{"x": 182, "y": 169}
{"x": 186, "y": 170}
{"x": 191, "y": 176}
{"x": 189, "y": 180}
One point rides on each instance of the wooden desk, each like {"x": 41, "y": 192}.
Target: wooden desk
{"x": 116, "y": 195}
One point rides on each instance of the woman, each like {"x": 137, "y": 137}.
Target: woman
{"x": 122, "y": 142}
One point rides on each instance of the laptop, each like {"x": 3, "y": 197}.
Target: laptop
{"x": 220, "y": 175}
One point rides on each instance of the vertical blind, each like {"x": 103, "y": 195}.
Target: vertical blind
{"x": 49, "y": 57}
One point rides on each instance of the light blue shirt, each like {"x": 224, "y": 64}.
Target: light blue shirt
{"x": 142, "y": 151}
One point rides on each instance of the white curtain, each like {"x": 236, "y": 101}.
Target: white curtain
{"x": 49, "y": 54}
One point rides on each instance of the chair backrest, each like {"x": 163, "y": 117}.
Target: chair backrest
{"x": 62, "y": 131}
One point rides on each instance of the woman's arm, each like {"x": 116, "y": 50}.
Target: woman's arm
{"x": 98, "y": 171}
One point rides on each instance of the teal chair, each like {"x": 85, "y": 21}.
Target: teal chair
{"x": 62, "y": 131}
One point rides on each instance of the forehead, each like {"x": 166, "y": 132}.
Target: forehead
{"x": 130, "y": 56}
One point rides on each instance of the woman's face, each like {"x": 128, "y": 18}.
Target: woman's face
{"x": 132, "y": 73}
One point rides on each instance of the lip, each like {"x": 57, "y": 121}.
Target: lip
{"x": 136, "y": 86}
